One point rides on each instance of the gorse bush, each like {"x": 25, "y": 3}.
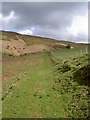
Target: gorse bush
{"x": 66, "y": 67}
{"x": 82, "y": 75}
{"x": 73, "y": 86}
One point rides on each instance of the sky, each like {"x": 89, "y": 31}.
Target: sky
{"x": 59, "y": 20}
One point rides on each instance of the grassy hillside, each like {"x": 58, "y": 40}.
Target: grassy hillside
{"x": 41, "y": 86}
{"x": 16, "y": 44}
{"x": 42, "y": 78}
{"x": 70, "y": 53}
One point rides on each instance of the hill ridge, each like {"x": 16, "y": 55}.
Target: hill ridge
{"x": 14, "y": 43}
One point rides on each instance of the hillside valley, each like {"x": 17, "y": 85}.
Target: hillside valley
{"x": 17, "y": 44}
{"x": 44, "y": 77}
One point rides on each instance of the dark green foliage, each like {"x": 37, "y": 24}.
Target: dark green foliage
{"x": 73, "y": 85}
{"x": 78, "y": 106}
{"x": 82, "y": 75}
{"x": 65, "y": 68}
{"x": 68, "y": 46}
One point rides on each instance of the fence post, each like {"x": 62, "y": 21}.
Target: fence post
{"x": 86, "y": 50}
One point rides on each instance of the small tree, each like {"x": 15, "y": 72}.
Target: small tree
{"x": 68, "y": 46}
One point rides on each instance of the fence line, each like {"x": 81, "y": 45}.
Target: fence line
{"x": 72, "y": 54}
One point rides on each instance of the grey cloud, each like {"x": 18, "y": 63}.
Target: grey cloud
{"x": 51, "y": 19}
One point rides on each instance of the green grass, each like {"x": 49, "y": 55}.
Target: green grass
{"x": 33, "y": 95}
{"x": 42, "y": 86}
{"x": 70, "y": 53}
{"x": 72, "y": 82}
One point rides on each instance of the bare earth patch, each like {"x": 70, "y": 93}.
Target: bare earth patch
{"x": 19, "y": 47}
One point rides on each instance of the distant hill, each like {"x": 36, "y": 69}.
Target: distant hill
{"x": 17, "y": 44}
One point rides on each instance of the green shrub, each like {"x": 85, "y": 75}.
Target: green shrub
{"x": 68, "y": 46}
{"x": 66, "y": 68}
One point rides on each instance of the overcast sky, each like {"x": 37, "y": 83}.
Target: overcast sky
{"x": 61, "y": 20}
